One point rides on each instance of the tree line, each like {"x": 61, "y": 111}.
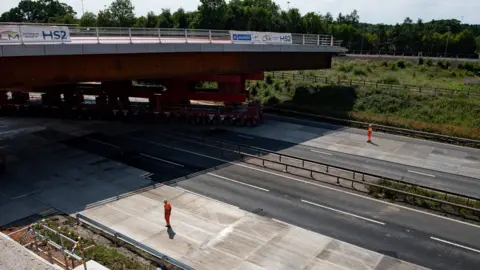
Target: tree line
{"x": 434, "y": 37}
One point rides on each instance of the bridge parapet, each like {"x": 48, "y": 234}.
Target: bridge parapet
{"x": 38, "y": 37}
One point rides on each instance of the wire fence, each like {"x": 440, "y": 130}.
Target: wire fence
{"x": 469, "y": 93}
{"x": 415, "y": 54}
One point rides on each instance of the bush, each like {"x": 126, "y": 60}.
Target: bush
{"x": 473, "y": 67}
{"x": 359, "y": 71}
{"x": 345, "y": 68}
{"x": 401, "y": 64}
{"x": 272, "y": 101}
{"x": 393, "y": 67}
{"x": 444, "y": 65}
{"x": 111, "y": 258}
{"x": 389, "y": 80}
{"x": 429, "y": 62}
{"x": 420, "y": 61}
{"x": 269, "y": 79}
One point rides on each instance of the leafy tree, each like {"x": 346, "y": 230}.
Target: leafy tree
{"x": 105, "y": 19}
{"x": 88, "y": 19}
{"x": 181, "y": 19}
{"x": 151, "y": 20}
{"x": 432, "y": 38}
{"x": 165, "y": 19}
{"x": 211, "y": 14}
{"x": 41, "y": 11}
{"x": 122, "y": 13}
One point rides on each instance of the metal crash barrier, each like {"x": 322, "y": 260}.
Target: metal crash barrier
{"x": 366, "y": 186}
{"x": 121, "y": 237}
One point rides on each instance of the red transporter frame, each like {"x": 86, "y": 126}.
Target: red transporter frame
{"x": 174, "y": 103}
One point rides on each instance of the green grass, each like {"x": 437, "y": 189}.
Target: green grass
{"x": 451, "y": 115}
{"x": 112, "y": 259}
{"x": 437, "y": 75}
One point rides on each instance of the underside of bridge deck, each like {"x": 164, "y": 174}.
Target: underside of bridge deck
{"x": 47, "y": 70}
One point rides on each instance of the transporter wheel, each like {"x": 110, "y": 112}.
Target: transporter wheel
{"x": 3, "y": 164}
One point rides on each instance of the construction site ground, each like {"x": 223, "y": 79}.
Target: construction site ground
{"x": 75, "y": 167}
{"x": 207, "y": 234}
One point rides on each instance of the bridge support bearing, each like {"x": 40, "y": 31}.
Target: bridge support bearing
{"x": 72, "y": 104}
{"x": 3, "y": 98}
{"x": 20, "y": 98}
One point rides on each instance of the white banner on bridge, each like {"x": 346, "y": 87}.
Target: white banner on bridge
{"x": 247, "y": 37}
{"x": 33, "y": 34}
{"x": 272, "y": 38}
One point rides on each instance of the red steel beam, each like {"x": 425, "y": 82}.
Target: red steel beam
{"x": 225, "y": 97}
{"x": 62, "y": 69}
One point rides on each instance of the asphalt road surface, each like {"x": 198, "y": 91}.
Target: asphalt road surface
{"x": 436, "y": 179}
{"x": 411, "y": 235}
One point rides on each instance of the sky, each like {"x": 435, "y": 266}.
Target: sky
{"x": 371, "y": 11}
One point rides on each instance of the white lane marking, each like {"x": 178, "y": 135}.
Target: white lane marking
{"x": 246, "y": 137}
{"x": 454, "y": 244}
{"x": 162, "y": 160}
{"x": 206, "y": 197}
{"x": 320, "y": 152}
{"x": 104, "y": 143}
{"x": 26, "y": 194}
{"x": 343, "y": 212}
{"x": 238, "y": 182}
{"x": 426, "y": 174}
{"x": 314, "y": 184}
{"x": 146, "y": 176}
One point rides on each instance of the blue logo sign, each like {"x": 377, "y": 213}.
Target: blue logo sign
{"x": 285, "y": 38}
{"x": 242, "y": 37}
{"x": 54, "y": 35}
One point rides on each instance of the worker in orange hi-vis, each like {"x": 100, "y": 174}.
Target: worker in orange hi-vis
{"x": 168, "y": 211}
{"x": 370, "y": 130}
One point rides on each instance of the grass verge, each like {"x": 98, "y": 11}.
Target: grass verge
{"x": 456, "y": 116}
{"x": 378, "y": 192}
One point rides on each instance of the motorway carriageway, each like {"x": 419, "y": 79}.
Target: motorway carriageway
{"x": 412, "y": 235}
{"x": 464, "y": 185}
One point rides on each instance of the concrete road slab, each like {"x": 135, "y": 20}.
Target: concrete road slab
{"x": 207, "y": 234}
{"x": 402, "y": 150}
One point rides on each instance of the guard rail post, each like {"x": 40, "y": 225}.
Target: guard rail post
{"x": 98, "y": 35}
{"x": 20, "y": 32}
{"x": 210, "y": 35}
{"x": 159, "y": 35}
{"x": 318, "y": 40}
{"x": 186, "y": 35}
{"x": 130, "y": 35}
{"x": 303, "y": 38}
{"x": 331, "y": 40}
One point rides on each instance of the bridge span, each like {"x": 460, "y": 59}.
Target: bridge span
{"x": 53, "y": 60}
{"x": 96, "y": 54}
